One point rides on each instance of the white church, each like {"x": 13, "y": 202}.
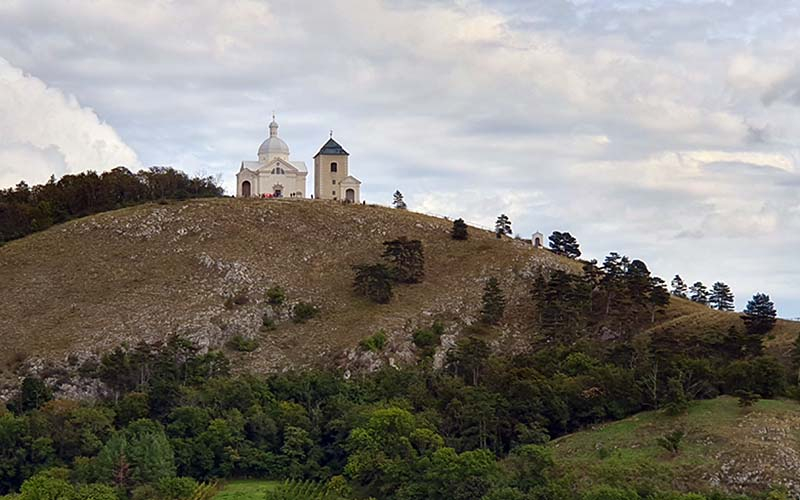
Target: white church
{"x": 273, "y": 175}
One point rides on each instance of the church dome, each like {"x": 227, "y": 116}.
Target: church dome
{"x": 274, "y": 145}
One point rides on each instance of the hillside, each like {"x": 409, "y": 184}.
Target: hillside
{"x": 728, "y": 447}
{"x": 145, "y": 272}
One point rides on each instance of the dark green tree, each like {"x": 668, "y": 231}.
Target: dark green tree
{"x": 721, "y": 297}
{"x": 565, "y": 244}
{"x": 698, "y": 293}
{"x": 374, "y": 281}
{"x": 502, "y": 226}
{"x": 679, "y": 288}
{"x": 658, "y": 296}
{"x": 398, "y": 201}
{"x": 760, "y": 315}
{"x": 406, "y": 258}
{"x": 459, "y": 231}
{"x": 33, "y": 394}
{"x": 494, "y": 302}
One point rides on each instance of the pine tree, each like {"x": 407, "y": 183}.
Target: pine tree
{"x": 374, "y": 282}
{"x": 699, "y": 293}
{"x": 721, "y": 297}
{"x": 494, "y": 302}
{"x": 459, "y": 231}
{"x": 564, "y": 244}
{"x": 759, "y": 315}
{"x": 502, "y": 226}
{"x": 399, "y": 202}
{"x": 658, "y": 297}
{"x": 679, "y": 288}
{"x": 407, "y": 259}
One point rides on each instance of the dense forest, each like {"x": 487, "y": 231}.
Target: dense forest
{"x": 25, "y": 209}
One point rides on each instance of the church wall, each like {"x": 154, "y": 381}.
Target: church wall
{"x": 324, "y": 186}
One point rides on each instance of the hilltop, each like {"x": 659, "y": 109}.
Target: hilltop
{"x": 739, "y": 450}
{"x": 145, "y": 272}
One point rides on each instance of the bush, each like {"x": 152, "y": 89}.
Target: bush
{"x": 275, "y": 296}
{"x": 459, "y": 231}
{"x": 427, "y": 339}
{"x": 374, "y": 281}
{"x": 176, "y": 488}
{"x": 267, "y": 323}
{"x": 242, "y": 344}
{"x": 672, "y": 441}
{"x": 374, "y": 343}
{"x": 303, "y": 311}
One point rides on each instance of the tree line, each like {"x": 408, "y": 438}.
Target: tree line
{"x": 25, "y": 209}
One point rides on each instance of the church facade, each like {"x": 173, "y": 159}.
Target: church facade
{"x": 273, "y": 175}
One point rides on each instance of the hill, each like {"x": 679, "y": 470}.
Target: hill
{"x": 146, "y": 272}
{"x": 725, "y": 446}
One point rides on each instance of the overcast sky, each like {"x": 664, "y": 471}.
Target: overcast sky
{"x": 665, "y": 130}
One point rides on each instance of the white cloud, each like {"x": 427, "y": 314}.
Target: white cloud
{"x": 44, "y": 132}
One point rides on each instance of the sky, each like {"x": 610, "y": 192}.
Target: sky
{"x": 668, "y": 131}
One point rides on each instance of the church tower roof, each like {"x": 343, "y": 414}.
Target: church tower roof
{"x": 274, "y": 145}
{"x": 332, "y": 148}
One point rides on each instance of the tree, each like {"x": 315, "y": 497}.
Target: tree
{"x": 407, "y": 259}
{"x": 399, "y": 202}
{"x": 494, "y": 302}
{"x": 459, "y": 231}
{"x": 759, "y": 315}
{"x": 671, "y": 441}
{"x": 502, "y": 226}
{"x": 374, "y": 281}
{"x": 699, "y": 293}
{"x": 564, "y": 244}
{"x": 33, "y": 394}
{"x": 658, "y": 297}
{"x": 721, "y": 297}
{"x": 679, "y": 288}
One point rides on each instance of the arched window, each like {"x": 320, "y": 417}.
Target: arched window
{"x": 334, "y": 167}
{"x": 278, "y": 171}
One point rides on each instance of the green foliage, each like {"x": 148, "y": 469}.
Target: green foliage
{"x": 303, "y": 311}
{"x": 564, "y": 244}
{"x": 764, "y": 376}
{"x": 240, "y": 343}
{"x": 33, "y": 394}
{"x": 746, "y": 398}
{"x": 459, "y": 231}
{"x": 267, "y": 323}
{"x": 275, "y": 296}
{"x": 502, "y": 226}
{"x": 374, "y": 343}
{"x": 610, "y": 493}
{"x": 428, "y": 339}
{"x": 494, "y": 302}
{"x": 699, "y": 293}
{"x": 301, "y": 490}
{"x": 176, "y": 488}
{"x": 374, "y": 282}
{"x": 398, "y": 201}
{"x": 406, "y": 258}
{"x": 760, "y": 315}
{"x": 679, "y": 288}
{"x": 672, "y": 441}
{"x": 721, "y": 297}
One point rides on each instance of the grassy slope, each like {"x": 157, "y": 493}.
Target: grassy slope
{"x": 245, "y": 490}
{"x": 736, "y": 449}
{"x": 148, "y": 271}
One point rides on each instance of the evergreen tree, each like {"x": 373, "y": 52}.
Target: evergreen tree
{"x": 406, "y": 258}
{"x": 502, "y": 226}
{"x": 399, "y": 202}
{"x": 564, "y": 244}
{"x": 721, "y": 297}
{"x": 658, "y": 296}
{"x": 494, "y": 302}
{"x": 699, "y": 293}
{"x": 374, "y": 282}
{"x": 459, "y": 231}
{"x": 759, "y": 315}
{"x": 679, "y": 288}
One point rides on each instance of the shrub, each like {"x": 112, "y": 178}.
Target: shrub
{"x": 374, "y": 343}
{"x": 242, "y": 344}
{"x": 427, "y": 339}
{"x": 303, "y": 311}
{"x": 267, "y": 323}
{"x": 459, "y": 231}
{"x": 275, "y": 296}
{"x": 176, "y": 488}
{"x": 671, "y": 441}
{"x": 374, "y": 281}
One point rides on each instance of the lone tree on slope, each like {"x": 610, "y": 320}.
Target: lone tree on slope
{"x": 721, "y": 297}
{"x": 374, "y": 281}
{"x": 399, "y": 202}
{"x": 494, "y": 302}
{"x": 699, "y": 293}
{"x": 565, "y": 244}
{"x": 658, "y": 297}
{"x": 759, "y": 315}
{"x": 459, "y": 231}
{"x": 407, "y": 259}
{"x": 502, "y": 226}
{"x": 679, "y": 288}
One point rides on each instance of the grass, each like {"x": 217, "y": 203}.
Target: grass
{"x": 246, "y": 489}
{"x": 724, "y": 444}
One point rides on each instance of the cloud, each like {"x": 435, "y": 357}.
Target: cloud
{"x": 43, "y": 132}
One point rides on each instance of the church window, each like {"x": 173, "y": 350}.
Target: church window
{"x": 334, "y": 167}
{"x": 334, "y": 181}
{"x": 278, "y": 170}
{"x": 333, "y": 193}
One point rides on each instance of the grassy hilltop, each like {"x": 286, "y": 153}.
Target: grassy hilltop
{"x": 149, "y": 271}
